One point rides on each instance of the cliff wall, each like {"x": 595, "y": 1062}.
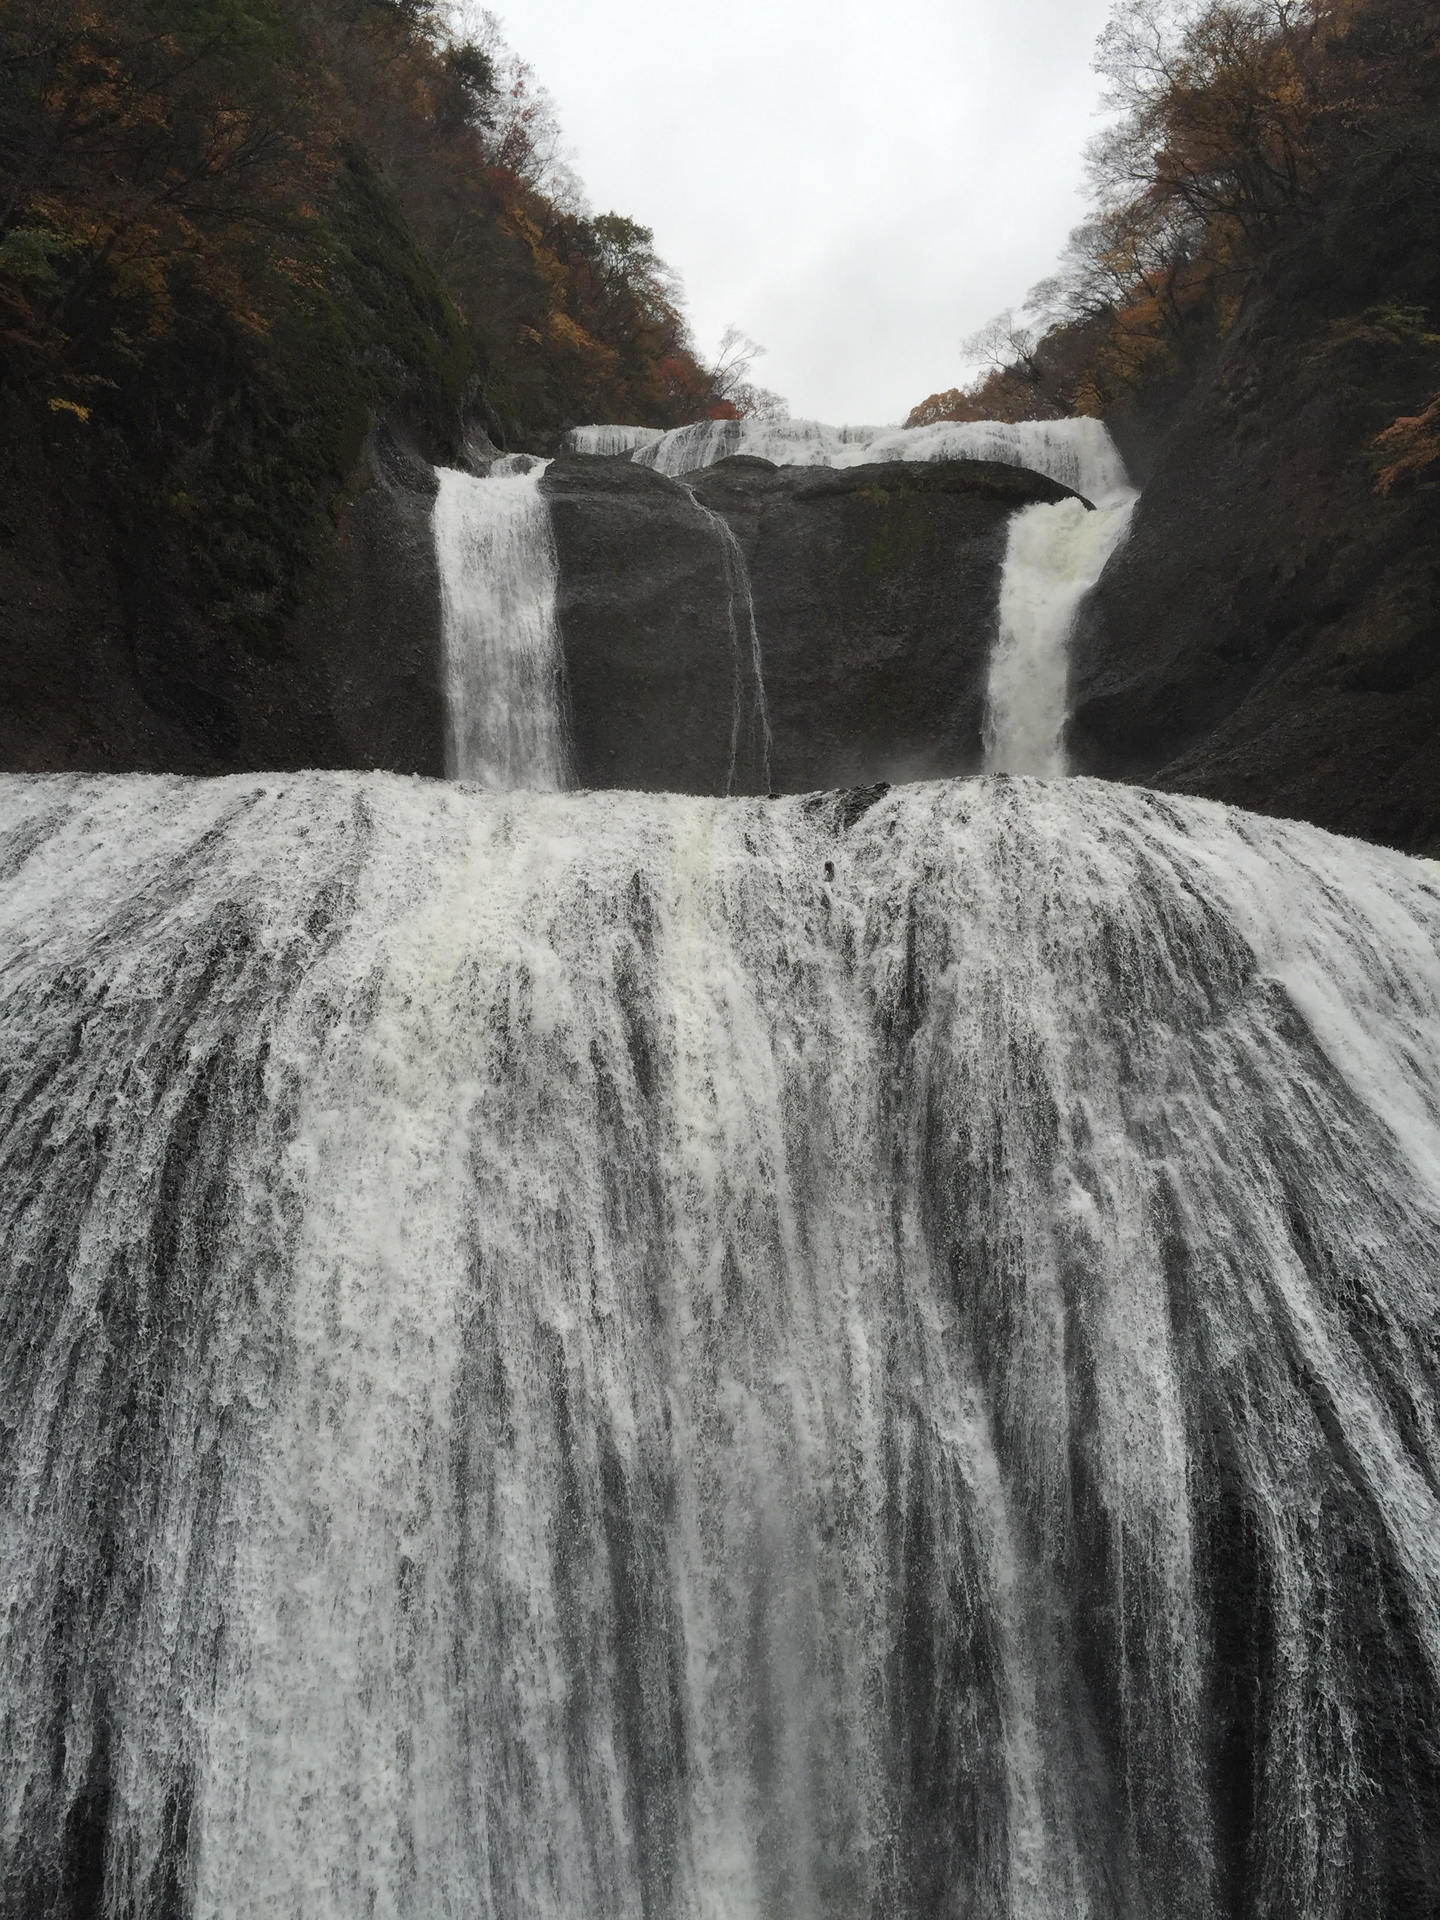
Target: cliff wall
{"x": 113, "y": 659}
{"x": 874, "y": 592}
{"x": 1270, "y": 632}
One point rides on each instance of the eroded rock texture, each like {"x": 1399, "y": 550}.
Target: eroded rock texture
{"x": 874, "y": 593}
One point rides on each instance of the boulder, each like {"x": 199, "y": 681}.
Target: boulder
{"x": 653, "y": 668}
{"x": 874, "y": 591}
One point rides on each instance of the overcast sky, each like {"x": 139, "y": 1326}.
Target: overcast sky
{"x": 856, "y": 186}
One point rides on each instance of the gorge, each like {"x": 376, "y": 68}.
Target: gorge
{"x": 631, "y": 1354}
{"x": 719, "y": 1189}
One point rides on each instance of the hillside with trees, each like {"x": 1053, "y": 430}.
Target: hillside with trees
{"x": 1250, "y": 141}
{"x": 234, "y": 235}
{"x": 1253, "y": 305}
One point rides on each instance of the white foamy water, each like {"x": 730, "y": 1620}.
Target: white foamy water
{"x": 609, "y": 440}
{"x": 1078, "y": 453}
{"x": 503, "y": 666}
{"x": 613, "y": 1355}
{"x": 1054, "y": 554}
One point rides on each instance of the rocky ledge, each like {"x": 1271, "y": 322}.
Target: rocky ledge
{"x": 874, "y": 591}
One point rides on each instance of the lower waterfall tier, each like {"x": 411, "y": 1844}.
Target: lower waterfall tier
{"x": 613, "y": 1355}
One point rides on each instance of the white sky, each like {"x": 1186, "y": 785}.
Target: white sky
{"x": 856, "y": 186}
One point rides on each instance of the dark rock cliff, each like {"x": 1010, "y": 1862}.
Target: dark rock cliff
{"x": 874, "y": 590}
{"x": 1270, "y": 632}
{"x": 108, "y": 662}
{"x": 652, "y": 665}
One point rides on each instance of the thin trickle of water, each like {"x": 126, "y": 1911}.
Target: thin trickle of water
{"x": 750, "y": 721}
{"x": 498, "y": 583}
{"x": 1054, "y": 554}
{"x": 675, "y": 1359}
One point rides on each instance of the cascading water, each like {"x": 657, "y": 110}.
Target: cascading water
{"x": 617, "y": 1355}
{"x": 1054, "y": 554}
{"x": 1078, "y": 453}
{"x": 792, "y": 443}
{"x": 610, "y": 440}
{"x": 498, "y": 580}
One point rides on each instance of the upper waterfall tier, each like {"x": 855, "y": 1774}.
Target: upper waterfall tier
{"x": 858, "y": 606}
{"x": 609, "y": 440}
{"x": 1078, "y": 453}
{"x": 496, "y": 559}
{"x": 627, "y": 1356}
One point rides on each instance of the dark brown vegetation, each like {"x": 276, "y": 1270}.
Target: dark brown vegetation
{"x": 1254, "y": 141}
{"x": 235, "y": 232}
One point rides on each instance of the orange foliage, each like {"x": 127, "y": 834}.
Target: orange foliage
{"x": 1004, "y": 393}
{"x": 1412, "y": 450}
{"x": 165, "y": 161}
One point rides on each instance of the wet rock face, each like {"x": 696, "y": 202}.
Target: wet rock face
{"x": 650, "y": 657}
{"x": 371, "y": 624}
{"x": 110, "y": 663}
{"x": 874, "y": 591}
{"x": 1268, "y": 633}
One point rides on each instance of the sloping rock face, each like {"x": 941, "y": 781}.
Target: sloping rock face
{"x": 653, "y": 666}
{"x": 109, "y": 664}
{"x": 372, "y": 623}
{"x": 874, "y": 592}
{"x": 1269, "y": 634}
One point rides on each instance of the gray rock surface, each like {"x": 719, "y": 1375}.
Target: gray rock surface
{"x": 1269, "y": 633}
{"x": 652, "y": 665}
{"x": 370, "y": 624}
{"x": 109, "y": 664}
{"x": 875, "y": 591}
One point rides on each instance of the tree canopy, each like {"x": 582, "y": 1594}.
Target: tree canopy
{"x": 1245, "y": 134}
{"x": 169, "y": 165}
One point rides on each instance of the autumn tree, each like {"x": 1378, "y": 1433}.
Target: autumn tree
{"x": 734, "y": 395}
{"x": 153, "y": 154}
{"x": 1239, "y": 127}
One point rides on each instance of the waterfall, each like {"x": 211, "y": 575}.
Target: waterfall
{"x": 752, "y": 729}
{"x": 675, "y": 1359}
{"x": 1054, "y": 554}
{"x": 793, "y": 443}
{"x": 1078, "y": 453}
{"x": 498, "y": 581}
{"x": 610, "y": 440}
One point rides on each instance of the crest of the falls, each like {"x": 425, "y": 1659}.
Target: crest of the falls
{"x": 793, "y": 443}
{"x": 1078, "y": 453}
{"x": 614, "y": 1355}
{"x": 609, "y": 440}
{"x": 503, "y": 669}
{"x": 1054, "y": 554}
